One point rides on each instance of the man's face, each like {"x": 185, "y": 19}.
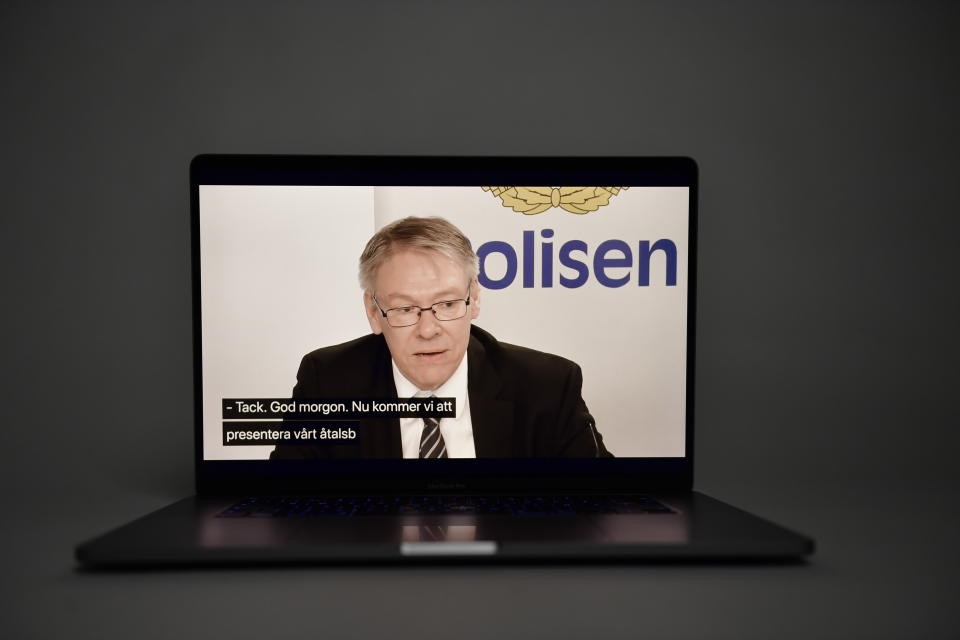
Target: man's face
{"x": 429, "y": 351}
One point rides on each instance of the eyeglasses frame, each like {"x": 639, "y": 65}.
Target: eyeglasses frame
{"x": 420, "y": 309}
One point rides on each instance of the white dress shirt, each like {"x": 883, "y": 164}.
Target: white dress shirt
{"x": 457, "y": 432}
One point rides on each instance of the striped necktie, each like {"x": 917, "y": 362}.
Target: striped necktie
{"x": 431, "y": 440}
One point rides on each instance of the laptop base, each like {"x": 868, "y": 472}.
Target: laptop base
{"x": 189, "y": 533}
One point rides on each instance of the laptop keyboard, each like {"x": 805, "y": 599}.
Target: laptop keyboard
{"x": 302, "y": 507}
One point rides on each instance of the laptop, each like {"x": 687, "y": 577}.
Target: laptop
{"x": 397, "y": 360}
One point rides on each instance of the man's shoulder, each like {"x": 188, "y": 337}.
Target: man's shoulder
{"x": 516, "y": 361}
{"x": 361, "y": 348}
{"x": 353, "y": 368}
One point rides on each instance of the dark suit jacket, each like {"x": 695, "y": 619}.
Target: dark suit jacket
{"x": 523, "y": 403}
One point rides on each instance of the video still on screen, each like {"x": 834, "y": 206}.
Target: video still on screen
{"x": 443, "y": 322}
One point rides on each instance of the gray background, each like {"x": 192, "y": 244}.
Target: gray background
{"x": 826, "y": 134}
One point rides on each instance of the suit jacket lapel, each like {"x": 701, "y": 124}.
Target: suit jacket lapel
{"x": 490, "y": 414}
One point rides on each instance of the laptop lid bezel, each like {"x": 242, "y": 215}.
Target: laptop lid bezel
{"x": 219, "y": 477}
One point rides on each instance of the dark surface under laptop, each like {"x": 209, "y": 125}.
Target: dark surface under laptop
{"x": 200, "y": 531}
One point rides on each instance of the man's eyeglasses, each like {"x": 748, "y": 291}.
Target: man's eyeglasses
{"x": 444, "y": 310}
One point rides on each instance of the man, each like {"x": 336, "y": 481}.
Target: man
{"x": 421, "y": 295}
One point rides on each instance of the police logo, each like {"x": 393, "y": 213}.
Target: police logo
{"x": 532, "y": 200}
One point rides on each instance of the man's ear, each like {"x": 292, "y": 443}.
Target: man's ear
{"x": 474, "y": 299}
{"x": 373, "y": 314}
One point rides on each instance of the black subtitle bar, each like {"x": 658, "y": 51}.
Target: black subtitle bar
{"x": 337, "y": 408}
{"x": 302, "y": 433}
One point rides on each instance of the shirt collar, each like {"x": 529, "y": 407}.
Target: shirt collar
{"x": 454, "y": 387}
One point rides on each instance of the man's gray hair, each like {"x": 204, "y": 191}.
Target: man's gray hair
{"x": 427, "y": 234}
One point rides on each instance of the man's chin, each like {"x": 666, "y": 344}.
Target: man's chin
{"x": 429, "y": 378}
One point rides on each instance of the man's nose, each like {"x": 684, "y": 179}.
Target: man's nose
{"x": 428, "y": 326}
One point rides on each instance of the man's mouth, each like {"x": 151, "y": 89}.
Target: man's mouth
{"x": 429, "y": 356}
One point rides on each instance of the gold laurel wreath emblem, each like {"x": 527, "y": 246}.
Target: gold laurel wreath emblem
{"x": 532, "y": 200}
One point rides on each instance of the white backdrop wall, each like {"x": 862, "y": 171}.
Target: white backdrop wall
{"x": 278, "y": 267}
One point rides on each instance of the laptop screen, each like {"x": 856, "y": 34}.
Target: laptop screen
{"x": 434, "y": 315}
